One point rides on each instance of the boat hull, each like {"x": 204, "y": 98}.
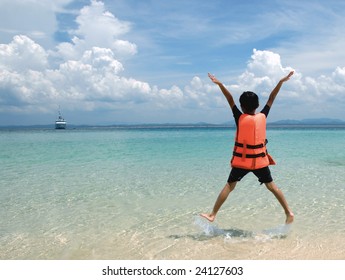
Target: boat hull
{"x": 60, "y": 125}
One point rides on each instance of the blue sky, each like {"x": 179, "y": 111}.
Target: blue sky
{"x": 128, "y": 61}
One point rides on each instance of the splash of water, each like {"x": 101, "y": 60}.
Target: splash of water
{"x": 211, "y": 230}
{"x": 208, "y": 228}
{"x": 280, "y": 231}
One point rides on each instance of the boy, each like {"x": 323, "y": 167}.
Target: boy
{"x": 250, "y": 154}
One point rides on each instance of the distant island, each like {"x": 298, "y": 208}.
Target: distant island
{"x": 287, "y": 123}
{"x": 290, "y": 122}
{"x": 320, "y": 121}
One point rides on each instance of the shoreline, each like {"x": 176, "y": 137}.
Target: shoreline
{"x": 187, "y": 248}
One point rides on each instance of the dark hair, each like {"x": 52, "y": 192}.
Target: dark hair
{"x": 249, "y": 101}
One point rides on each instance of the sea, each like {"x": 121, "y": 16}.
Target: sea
{"x": 135, "y": 193}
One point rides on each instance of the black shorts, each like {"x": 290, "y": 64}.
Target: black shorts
{"x": 263, "y": 174}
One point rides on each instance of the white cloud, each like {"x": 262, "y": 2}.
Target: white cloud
{"x": 98, "y": 27}
{"x": 93, "y": 19}
{"x": 262, "y": 73}
{"x": 87, "y": 76}
{"x": 94, "y": 82}
{"x": 309, "y": 96}
{"x": 102, "y": 59}
{"x": 22, "y": 54}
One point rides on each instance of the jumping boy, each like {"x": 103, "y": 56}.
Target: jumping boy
{"x": 250, "y": 154}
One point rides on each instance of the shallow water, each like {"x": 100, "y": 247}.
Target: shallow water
{"x": 137, "y": 193}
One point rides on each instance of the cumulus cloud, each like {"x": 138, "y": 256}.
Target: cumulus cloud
{"x": 313, "y": 95}
{"x": 88, "y": 75}
{"x": 98, "y": 27}
{"x": 74, "y": 84}
{"x": 263, "y": 70}
{"x": 22, "y": 54}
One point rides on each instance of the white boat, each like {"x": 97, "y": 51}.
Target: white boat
{"x": 60, "y": 123}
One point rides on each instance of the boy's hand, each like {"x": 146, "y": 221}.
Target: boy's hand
{"x": 226, "y": 93}
{"x": 214, "y": 79}
{"x": 287, "y": 77}
{"x": 277, "y": 88}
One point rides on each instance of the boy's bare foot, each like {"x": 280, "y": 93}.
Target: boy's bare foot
{"x": 209, "y": 217}
{"x": 289, "y": 218}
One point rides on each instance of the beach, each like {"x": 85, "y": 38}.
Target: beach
{"x": 136, "y": 193}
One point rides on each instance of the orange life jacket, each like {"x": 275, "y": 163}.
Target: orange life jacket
{"x": 250, "y": 144}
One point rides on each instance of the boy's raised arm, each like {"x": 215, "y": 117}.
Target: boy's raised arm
{"x": 224, "y": 90}
{"x": 277, "y": 88}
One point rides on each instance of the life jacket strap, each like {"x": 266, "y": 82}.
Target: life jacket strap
{"x": 249, "y": 156}
{"x": 237, "y": 144}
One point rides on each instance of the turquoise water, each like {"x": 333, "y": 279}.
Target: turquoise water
{"x": 136, "y": 194}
